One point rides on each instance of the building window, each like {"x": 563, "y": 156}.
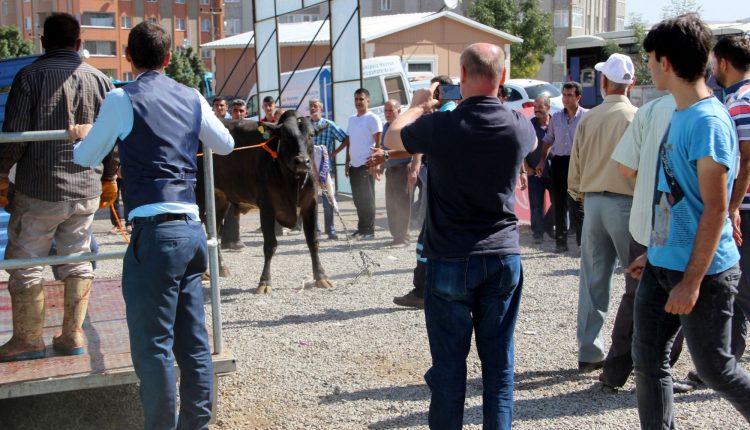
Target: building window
{"x": 421, "y": 67}
{"x": 179, "y": 24}
{"x": 561, "y": 18}
{"x": 96, "y": 19}
{"x": 205, "y": 2}
{"x": 179, "y": 1}
{"x": 205, "y": 25}
{"x": 620, "y": 23}
{"x": 152, "y": 19}
{"x": 27, "y": 23}
{"x": 126, "y": 21}
{"x": 123, "y": 50}
{"x": 385, "y": 4}
{"x": 232, "y": 26}
{"x": 5, "y": 8}
{"x": 150, "y": 1}
{"x": 559, "y": 57}
{"x": 127, "y": 76}
{"x": 577, "y": 17}
{"x": 100, "y": 47}
{"x": 231, "y": 1}
{"x": 111, "y": 73}
{"x": 205, "y": 53}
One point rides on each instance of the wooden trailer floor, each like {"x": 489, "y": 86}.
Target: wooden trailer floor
{"x": 106, "y": 361}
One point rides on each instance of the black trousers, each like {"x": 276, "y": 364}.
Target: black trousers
{"x": 363, "y": 194}
{"x": 562, "y": 203}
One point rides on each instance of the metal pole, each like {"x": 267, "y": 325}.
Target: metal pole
{"x": 25, "y": 136}
{"x": 21, "y": 263}
{"x": 213, "y": 251}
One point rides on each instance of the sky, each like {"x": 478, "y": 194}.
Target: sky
{"x": 713, "y": 10}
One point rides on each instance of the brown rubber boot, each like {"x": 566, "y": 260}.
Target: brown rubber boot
{"x": 27, "y": 342}
{"x": 71, "y": 341}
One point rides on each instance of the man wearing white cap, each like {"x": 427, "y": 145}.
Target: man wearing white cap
{"x": 607, "y": 196}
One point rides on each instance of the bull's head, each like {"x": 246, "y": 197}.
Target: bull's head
{"x": 295, "y": 142}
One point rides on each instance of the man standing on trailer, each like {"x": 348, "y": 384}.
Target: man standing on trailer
{"x": 157, "y": 124}
{"x": 60, "y": 203}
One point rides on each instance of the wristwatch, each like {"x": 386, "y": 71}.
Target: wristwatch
{"x": 386, "y": 156}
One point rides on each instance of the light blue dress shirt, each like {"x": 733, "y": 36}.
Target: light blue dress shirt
{"x": 115, "y": 121}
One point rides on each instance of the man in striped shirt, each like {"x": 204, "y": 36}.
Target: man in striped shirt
{"x": 54, "y": 197}
{"x": 731, "y": 65}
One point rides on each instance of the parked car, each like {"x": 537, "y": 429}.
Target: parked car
{"x": 524, "y": 91}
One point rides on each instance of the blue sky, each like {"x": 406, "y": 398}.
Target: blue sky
{"x": 713, "y": 10}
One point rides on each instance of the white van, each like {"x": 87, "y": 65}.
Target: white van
{"x": 384, "y": 77}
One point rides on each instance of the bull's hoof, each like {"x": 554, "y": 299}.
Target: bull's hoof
{"x": 263, "y": 289}
{"x": 323, "y": 283}
{"x": 224, "y": 272}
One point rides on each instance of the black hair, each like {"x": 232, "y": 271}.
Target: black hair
{"x": 685, "y": 41}
{"x": 269, "y": 99}
{"x": 442, "y": 79}
{"x": 61, "y": 30}
{"x": 736, "y": 50}
{"x": 218, "y": 99}
{"x": 149, "y": 44}
{"x": 574, "y": 86}
{"x": 362, "y": 91}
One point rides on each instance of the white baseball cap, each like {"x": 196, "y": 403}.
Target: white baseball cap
{"x": 618, "y": 68}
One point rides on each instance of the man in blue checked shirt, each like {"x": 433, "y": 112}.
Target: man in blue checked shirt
{"x": 330, "y": 132}
{"x": 157, "y": 124}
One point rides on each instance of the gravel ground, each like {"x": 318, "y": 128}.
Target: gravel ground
{"x": 348, "y": 358}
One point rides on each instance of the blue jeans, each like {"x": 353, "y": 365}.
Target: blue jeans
{"x": 161, "y": 284}
{"x": 707, "y": 330}
{"x": 330, "y": 226}
{"x": 480, "y": 294}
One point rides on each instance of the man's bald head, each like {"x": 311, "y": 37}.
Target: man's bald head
{"x": 483, "y": 61}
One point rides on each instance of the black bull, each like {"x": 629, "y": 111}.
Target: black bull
{"x": 278, "y": 180}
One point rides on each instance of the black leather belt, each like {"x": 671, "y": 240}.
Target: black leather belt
{"x": 160, "y": 218}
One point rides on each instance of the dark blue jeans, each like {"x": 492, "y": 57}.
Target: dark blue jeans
{"x": 540, "y": 221}
{"x": 161, "y": 284}
{"x": 479, "y": 294}
{"x": 707, "y": 330}
{"x": 330, "y": 226}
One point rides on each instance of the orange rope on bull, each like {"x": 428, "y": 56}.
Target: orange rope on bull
{"x": 119, "y": 224}
{"x": 264, "y": 145}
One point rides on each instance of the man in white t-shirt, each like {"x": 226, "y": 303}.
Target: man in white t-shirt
{"x": 364, "y": 133}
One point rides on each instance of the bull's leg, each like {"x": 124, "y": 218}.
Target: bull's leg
{"x": 308, "y": 225}
{"x": 223, "y": 269}
{"x": 267, "y": 221}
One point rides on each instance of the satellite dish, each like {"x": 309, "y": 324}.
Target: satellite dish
{"x": 450, "y": 4}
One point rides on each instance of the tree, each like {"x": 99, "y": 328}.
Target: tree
{"x": 522, "y": 18}
{"x": 186, "y": 68}
{"x": 680, "y": 7}
{"x": 640, "y": 56}
{"x": 12, "y": 44}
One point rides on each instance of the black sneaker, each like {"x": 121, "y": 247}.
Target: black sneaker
{"x": 410, "y": 300}
{"x": 333, "y": 236}
{"x": 561, "y": 248}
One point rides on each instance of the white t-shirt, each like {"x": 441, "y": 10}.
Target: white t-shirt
{"x": 360, "y": 131}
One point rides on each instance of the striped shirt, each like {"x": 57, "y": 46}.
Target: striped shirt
{"x": 561, "y": 131}
{"x": 328, "y": 134}
{"x": 737, "y": 100}
{"x": 54, "y": 92}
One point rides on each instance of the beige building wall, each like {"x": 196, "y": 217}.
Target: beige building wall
{"x": 442, "y": 40}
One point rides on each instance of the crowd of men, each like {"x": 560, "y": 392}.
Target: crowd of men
{"x": 662, "y": 190}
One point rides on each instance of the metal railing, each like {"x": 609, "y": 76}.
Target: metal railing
{"x": 213, "y": 253}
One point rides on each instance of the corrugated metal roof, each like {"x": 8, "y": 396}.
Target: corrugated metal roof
{"x": 373, "y": 27}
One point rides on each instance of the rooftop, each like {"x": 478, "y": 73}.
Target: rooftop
{"x": 373, "y": 27}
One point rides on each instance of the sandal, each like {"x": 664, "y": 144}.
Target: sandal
{"x": 115, "y": 231}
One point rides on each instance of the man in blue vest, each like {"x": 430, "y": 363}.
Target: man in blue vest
{"x": 157, "y": 124}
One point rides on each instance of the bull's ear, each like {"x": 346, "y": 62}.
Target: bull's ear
{"x": 319, "y": 128}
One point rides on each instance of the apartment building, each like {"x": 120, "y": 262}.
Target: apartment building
{"x": 105, "y": 25}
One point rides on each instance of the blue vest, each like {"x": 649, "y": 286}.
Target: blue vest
{"x": 158, "y": 157}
